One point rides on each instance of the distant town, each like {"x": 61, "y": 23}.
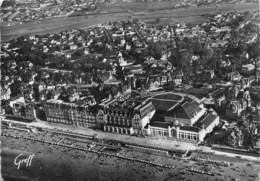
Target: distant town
{"x": 23, "y": 11}
{"x": 196, "y": 84}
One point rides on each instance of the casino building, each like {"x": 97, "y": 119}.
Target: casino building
{"x": 179, "y": 117}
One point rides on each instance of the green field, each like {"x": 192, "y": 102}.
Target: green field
{"x": 144, "y": 11}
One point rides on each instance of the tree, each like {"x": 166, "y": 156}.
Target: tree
{"x": 235, "y": 138}
{"x": 197, "y": 47}
{"x": 248, "y": 126}
{"x": 183, "y": 58}
{"x": 15, "y": 88}
{"x": 155, "y": 50}
{"x": 254, "y": 50}
{"x": 119, "y": 73}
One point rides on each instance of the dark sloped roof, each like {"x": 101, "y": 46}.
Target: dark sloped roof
{"x": 240, "y": 94}
{"x": 119, "y": 126}
{"x": 163, "y": 105}
{"x": 190, "y": 128}
{"x": 178, "y": 112}
{"x": 146, "y": 108}
{"x": 94, "y": 109}
{"x": 20, "y": 104}
{"x": 198, "y": 92}
{"x": 158, "y": 116}
{"x": 191, "y": 108}
{"x": 217, "y": 92}
{"x": 185, "y": 111}
{"x": 207, "y": 120}
{"x": 160, "y": 124}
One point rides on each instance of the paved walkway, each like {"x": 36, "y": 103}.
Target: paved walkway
{"x": 159, "y": 142}
{"x": 252, "y": 158}
{"x": 146, "y": 141}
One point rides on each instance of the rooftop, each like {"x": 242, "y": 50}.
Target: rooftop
{"x": 168, "y": 96}
{"x": 190, "y": 128}
{"x": 186, "y": 111}
{"x": 206, "y": 121}
{"x": 166, "y": 101}
{"x": 128, "y": 104}
{"x": 164, "y": 105}
{"x": 217, "y": 92}
{"x": 198, "y": 92}
{"x": 86, "y": 102}
{"x": 160, "y": 124}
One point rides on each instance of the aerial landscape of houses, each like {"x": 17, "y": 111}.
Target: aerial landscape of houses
{"x": 143, "y": 85}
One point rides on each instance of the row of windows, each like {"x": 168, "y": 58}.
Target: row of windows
{"x": 188, "y": 136}
{"x": 62, "y": 114}
{"x": 187, "y": 133}
{"x": 159, "y": 132}
{"x": 60, "y": 106}
{"x": 80, "y": 116}
{"x": 57, "y": 120}
{"x": 117, "y": 114}
{"x": 70, "y": 119}
{"x": 120, "y": 122}
{"x": 67, "y": 111}
{"x": 117, "y": 130}
{"x": 70, "y": 123}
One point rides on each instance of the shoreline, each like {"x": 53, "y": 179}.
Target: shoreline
{"x": 152, "y": 142}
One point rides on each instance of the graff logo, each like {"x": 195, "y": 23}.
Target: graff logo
{"x": 22, "y": 159}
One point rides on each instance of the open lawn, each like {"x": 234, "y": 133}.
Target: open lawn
{"x": 146, "y": 12}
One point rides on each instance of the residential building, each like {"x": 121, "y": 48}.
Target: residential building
{"x": 258, "y": 70}
{"x": 235, "y": 137}
{"x": 234, "y": 76}
{"x": 5, "y": 92}
{"x": 235, "y": 108}
{"x": 24, "y": 110}
{"x": 248, "y": 68}
{"x": 219, "y": 97}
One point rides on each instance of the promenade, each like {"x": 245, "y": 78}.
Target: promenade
{"x": 154, "y": 142}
